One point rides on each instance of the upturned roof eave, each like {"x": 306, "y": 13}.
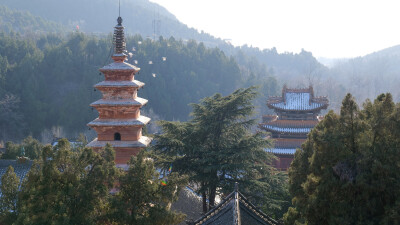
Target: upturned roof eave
{"x": 128, "y": 102}
{"x": 119, "y": 66}
{"x": 141, "y": 143}
{"x": 141, "y": 121}
{"x": 324, "y": 106}
{"x": 216, "y": 209}
{"x": 119, "y": 84}
{"x": 264, "y": 216}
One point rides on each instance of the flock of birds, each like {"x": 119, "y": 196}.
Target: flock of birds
{"x": 150, "y": 62}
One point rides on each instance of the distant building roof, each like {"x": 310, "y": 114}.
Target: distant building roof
{"x": 188, "y": 203}
{"x": 235, "y": 209}
{"x": 20, "y": 168}
{"x": 296, "y": 111}
{"x": 298, "y": 100}
{"x": 282, "y": 151}
{"x": 73, "y": 142}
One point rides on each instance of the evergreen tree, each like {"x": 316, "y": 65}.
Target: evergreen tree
{"x": 12, "y": 151}
{"x": 8, "y": 199}
{"x": 142, "y": 198}
{"x": 67, "y": 187}
{"x": 32, "y": 148}
{"x": 217, "y": 149}
{"x": 29, "y": 147}
{"x": 346, "y": 170}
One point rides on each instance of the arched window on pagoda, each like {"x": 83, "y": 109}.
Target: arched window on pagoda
{"x": 117, "y": 137}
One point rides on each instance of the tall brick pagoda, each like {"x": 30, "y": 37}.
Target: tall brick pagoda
{"x": 119, "y": 122}
{"x": 297, "y": 113}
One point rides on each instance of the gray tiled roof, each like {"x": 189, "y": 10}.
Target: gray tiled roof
{"x": 297, "y": 101}
{"x": 282, "y": 151}
{"x": 188, "y": 203}
{"x": 21, "y": 169}
{"x": 235, "y": 209}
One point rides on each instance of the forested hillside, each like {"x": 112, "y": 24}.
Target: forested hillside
{"x": 151, "y": 20}
{"x": 25, "y": 23}
{"x": 365, "y": 77}
{"x": 98, "y": 16}
{"x": 49, "y": 82}
{"x": 371, "y": 75}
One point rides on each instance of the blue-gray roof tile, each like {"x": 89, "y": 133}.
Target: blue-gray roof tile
{"x": 21, "y": 169}
{"x": 287, "y": 129}
{"x": 282, "y": 151}
{"x": 297, "y": 101}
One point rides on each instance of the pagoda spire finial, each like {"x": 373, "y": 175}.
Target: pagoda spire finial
{"x": 119, "y": 20}
{"x": 119, "y": 39}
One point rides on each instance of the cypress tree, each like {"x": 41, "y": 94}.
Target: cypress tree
{"x": 145, "y": 198}
{"x": 67, "y": 187}
{"x": 347, "y": 170}
{"x": 8, "y": 199}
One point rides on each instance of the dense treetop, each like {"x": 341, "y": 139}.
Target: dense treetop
{"x": 347, "y": 172}
{"x": 216, "y": 148}
{"x": 74, "y": 186}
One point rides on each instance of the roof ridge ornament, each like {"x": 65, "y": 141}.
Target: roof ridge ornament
{"x": 284, "y": 90}
{"x": 235, "y": 208}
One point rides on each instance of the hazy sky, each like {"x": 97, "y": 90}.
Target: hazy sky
{"x": 327, "y": 28}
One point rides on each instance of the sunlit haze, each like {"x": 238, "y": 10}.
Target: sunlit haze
{"x": 327, "y": 28}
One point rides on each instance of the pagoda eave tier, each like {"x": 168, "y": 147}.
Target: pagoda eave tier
{"x": 141, "y": 143}
{"x": 292, "y": 123}
{"x": 287, "y": 108}
{"x": 117, "y": 84}
{"x": 289, "y": 130}
{"x": 120, "y": 102}
{"x": 141, "y": 121}
{"x": 119, "y": 66}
